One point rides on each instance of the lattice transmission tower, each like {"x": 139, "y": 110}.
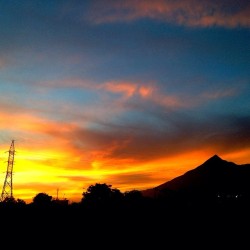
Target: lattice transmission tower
{"x": 7, "y": 191}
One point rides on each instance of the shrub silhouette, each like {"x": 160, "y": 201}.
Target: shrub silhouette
{"x": 42, "y": 200}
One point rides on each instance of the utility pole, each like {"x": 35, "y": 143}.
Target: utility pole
{"x": 7, "y": 191}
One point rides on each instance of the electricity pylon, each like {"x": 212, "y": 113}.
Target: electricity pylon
{"x": 7, "y": 191}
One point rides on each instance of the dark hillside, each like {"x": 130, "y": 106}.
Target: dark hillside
{"x": 215, "y": 178}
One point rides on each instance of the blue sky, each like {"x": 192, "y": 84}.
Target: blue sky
{"x": 131, "y": 93}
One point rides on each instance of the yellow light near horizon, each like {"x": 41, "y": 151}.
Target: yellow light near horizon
{"x": 46, "y": 170}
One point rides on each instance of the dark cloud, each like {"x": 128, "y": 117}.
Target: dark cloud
{"x": 231, "y": 133}
{"x": 174, "y": 135}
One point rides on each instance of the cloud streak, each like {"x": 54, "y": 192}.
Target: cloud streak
{"x": 203, "y": 13}
{"x": 179, "y": 135}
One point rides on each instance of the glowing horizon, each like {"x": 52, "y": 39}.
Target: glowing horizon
{"x": 32, "y": 175}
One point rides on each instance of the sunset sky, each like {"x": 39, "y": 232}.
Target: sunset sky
{"x": 130, "y": 93}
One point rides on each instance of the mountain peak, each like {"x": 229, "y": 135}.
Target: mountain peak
{"x": 215, "y": 174}
{"x": 215, "y": 157}
{"x": 213, "y": 162}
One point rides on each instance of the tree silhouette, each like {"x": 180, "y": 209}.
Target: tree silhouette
{"x": 42, "y": 199}
{"x": 101, "y": 194}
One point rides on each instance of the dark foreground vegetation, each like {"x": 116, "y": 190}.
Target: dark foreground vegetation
{"x": 107, "y": 218}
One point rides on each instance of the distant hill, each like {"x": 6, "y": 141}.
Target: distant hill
{"x": 215, "y": 177}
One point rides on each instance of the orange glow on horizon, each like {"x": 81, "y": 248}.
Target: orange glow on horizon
{"x": 47, "y": 171}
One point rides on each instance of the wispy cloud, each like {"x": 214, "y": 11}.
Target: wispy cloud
{"x": 205, "y": 13}
{"x": 149, "y": 92}
{"x": 72, "y": 83}
{"x": 3, "y": 63}
{"x": 220, "y": 93}
{"x": 127, "y": 89}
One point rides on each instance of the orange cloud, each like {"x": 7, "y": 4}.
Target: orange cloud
{"x": 147, "y": 92}
{"x": 168, "y": 100}
{"x": 191, "y": 13}
{"x": 127, "y": 89}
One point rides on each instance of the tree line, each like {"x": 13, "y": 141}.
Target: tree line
{"x": 99, "y": 195}
{"x": 102, "y": 196}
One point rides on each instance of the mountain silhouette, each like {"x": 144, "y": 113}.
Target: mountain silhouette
{"x": 214, "y": 178}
